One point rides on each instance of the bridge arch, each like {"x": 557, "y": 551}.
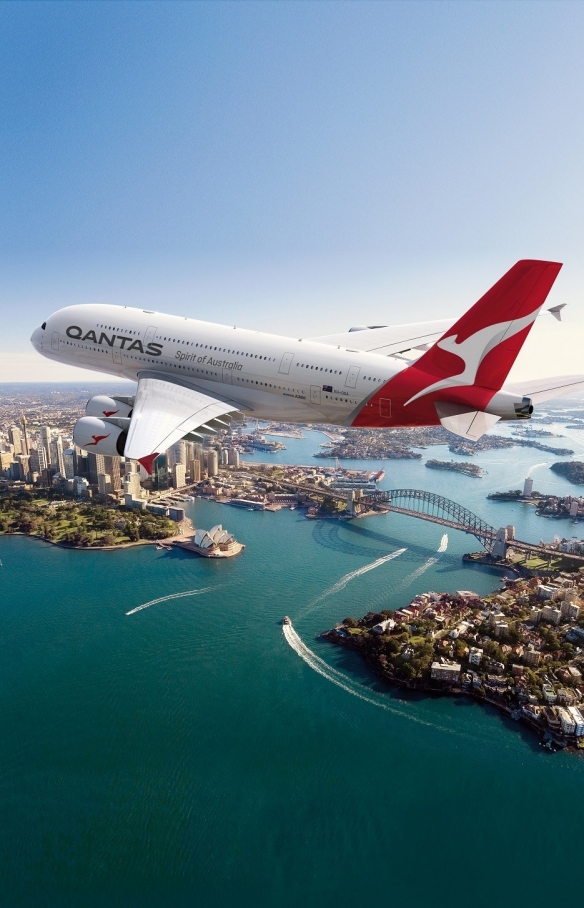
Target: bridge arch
{"x": 436, "y": 508}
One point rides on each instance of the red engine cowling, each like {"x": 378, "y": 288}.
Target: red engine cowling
{"x": 102, "y": 405}
{"x": 94, "y": 434}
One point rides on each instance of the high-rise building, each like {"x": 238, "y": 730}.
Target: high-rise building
{"x": 132, "y": 479}
{"x": 70, "y": 462}
{"x": 234, "y": 457}
{"x": 212, "y": 463}
{"x": 80, "y": 486}
{"x": 25, "y": 444}
{"x": 224, "y": 457}
{"x": 528, "y": 487}
{"x": 46, "y": 438}
{"x": 178, "y": 475}
{"x": 6, "y": 458}
{"x": 38, "y": 459}
{"x": 95, "y": 465}
{"x": 24, "y": 462}
{"x": 177, "y": 453}
{"x": 82, "y": 463}
{"x": 56, "y": 456}
{"x": 15, "y": 437}
{"x": 195, "y": 470}
{"x": 112, "y": 467}
{"x": 160, "y": 473}
{"x": 104, "y": 483}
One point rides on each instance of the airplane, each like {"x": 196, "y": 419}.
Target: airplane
{"x": 194, "y": 377}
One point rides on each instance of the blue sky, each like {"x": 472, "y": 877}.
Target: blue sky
{"x": 294, "y": 167}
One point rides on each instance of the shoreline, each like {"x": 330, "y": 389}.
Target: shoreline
{"x": 187, "y": 524}
{"x": 433, "y": 691}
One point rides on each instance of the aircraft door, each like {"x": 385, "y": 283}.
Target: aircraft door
{"x": 227, "y": 376}
{"x": 150, "y": 335}
{"x": 315, "y": 394}
{"x": 286, "y": 363}
{"x": 385, "y": 408}
{"x": 117, "y": 357}
{"x": 351, "y": 380}
{"x": 55, "y": 342}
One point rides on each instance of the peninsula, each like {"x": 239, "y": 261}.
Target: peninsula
{"x": 456, "y": 466}
{"x": 519, "y": 649}
{"x": 572, "y": 470}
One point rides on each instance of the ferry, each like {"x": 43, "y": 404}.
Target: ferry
{"x": 286, "y": 620}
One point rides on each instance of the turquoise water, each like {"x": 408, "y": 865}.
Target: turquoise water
{"x": 187, "y": 754}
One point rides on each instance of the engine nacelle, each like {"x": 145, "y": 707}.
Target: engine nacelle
{"x": 102, "y": 405}
{"x": 94, "y": 434}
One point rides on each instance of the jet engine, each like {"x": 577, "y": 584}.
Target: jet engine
{"x": 99, "y": 436}
{"x": 102, "y": 405}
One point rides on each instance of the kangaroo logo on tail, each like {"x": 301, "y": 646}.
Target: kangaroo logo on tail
{"x": 472, "y": 352}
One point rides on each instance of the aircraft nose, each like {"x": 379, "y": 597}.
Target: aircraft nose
{"x": 36, "y": 338}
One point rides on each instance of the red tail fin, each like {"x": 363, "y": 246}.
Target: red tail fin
{"x": 486, "y": 340}
{"x": 472, "y": 360}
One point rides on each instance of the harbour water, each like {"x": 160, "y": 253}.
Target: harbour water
{"x": 191, "y": 753}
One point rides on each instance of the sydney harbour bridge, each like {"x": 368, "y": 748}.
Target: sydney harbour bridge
{"x": 436, "y": 509}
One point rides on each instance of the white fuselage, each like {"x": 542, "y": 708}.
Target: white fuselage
{"x": 271, "y": 376}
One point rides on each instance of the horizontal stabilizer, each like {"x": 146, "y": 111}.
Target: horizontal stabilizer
{"x": 462, "y": 421}
{"x": 542, "y": 389}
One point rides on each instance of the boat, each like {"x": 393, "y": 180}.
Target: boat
{"x": 286, "y": 620}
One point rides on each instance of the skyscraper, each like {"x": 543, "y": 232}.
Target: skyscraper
{"x": 112, "y": 468}
{"x": 15, "y": 437}
{"x": 25, "y": 446}
{"x": 95, "y": 465}
{"x": 70, "y": 462}
{"x": 38, "y": 460}
{"x": 212, "y": 463}
{"x": 178, "y": 475}
{"x": 46, "y": 438}
{"x": 56, "y": 456}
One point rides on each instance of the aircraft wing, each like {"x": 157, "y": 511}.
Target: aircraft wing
{"x": 543, "y": 389}
{"x": 391, "y": 340}
{"x": 388, "y": 341}
{"x": 165, "y": 410}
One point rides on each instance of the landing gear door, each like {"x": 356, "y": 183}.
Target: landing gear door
{"x": 286, "y": 363}
{"x": 150, "y": 335}
{"x": 315, "y": 394}
{"x": 352, "y": 374}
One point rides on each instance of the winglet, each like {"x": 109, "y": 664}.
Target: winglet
{"x": 556, "y": 311}
{"x": 148, "y": 462}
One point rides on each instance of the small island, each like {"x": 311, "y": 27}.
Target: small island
{"x": 518, "y": 649}
{"x": 572, "y": 470}
{"x": 456, "y": 466}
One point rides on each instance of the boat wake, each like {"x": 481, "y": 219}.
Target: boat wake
{"x": 335, "y": 677}
{"x": 342, "y": 583}
{"x": 144, "y": 605}
{"x": 427, "y": 564}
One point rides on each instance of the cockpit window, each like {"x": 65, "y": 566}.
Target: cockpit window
{"x": 44, "y": 325}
